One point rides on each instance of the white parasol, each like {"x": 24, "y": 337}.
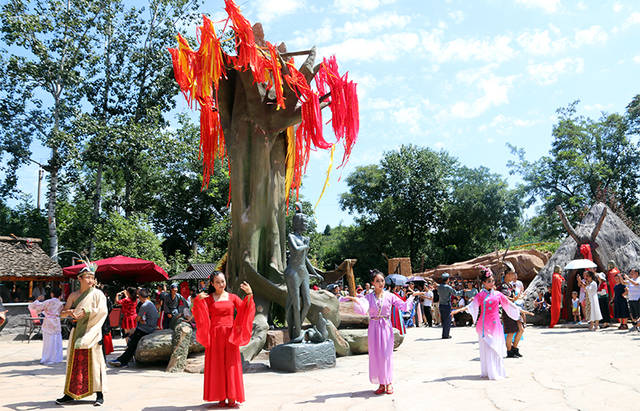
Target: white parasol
{"x": 579, "y": 264}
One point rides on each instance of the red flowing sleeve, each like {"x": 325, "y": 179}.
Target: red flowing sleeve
{"x": 203, "y": 323}
{"x": 243, "y": 323}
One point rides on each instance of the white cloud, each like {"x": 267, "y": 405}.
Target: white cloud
{"x": 457, "y": 16}
{"x": 386, "y": 48}
{"x": 548, "y": 73}
{"x": 636, "y": 59}
{"x": 308, "y": 38}
{"x": 549, "y": 6}
{"x": 408, "y": 116}
{"x": 268, "y": 10}
{"x": 632, "y": 20}
{"x": 550, "y": 42}
{"x": 598, "y": 107}
{"x": 496, "y": 49}
{"x": 504, "y": 125}
{"x": 540, "y": 43}
{"x": 590, "y": 36}
{"x": 617, "y": 7}
{"x": 439, "y": 145}
{"x": 366, "y": 82}
{"x": 494, "y": 92}
{"x": 379, "y": 22}
{"x": 354, "y": 6}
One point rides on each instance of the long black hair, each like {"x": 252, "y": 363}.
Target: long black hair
{"x": 374, "y": 273}
{"x": 213, "y": 275}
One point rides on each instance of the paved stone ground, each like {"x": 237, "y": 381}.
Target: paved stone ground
{"x": 562, "y": 369}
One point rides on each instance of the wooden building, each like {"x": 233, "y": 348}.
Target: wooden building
{"x": 22, "y": 260}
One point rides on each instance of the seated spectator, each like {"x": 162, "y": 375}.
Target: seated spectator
{"x": 147, "y": 320}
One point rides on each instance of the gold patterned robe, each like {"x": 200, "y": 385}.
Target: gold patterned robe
{"x": 86, "y": 369}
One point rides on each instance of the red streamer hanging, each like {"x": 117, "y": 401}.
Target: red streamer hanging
{"x": 198, "y": 75}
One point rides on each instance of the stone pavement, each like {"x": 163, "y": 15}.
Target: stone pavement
{"x": 562, "y": 369}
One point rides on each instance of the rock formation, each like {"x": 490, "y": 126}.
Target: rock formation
{"x": 615, "y": 241}
{"x": 526, "y": 262}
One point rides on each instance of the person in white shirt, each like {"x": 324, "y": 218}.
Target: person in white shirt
{"x": 633, "y": 284}
{"x": 427, "y": 302}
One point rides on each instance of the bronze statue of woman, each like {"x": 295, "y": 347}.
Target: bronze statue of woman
{"x": 297, "y": 275}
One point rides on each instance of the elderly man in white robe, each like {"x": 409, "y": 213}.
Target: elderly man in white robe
{"x": 86, "y": 369}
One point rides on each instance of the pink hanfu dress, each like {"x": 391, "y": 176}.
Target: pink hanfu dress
{"x": 380, "y": 333}
{"x": 485, "y": 310}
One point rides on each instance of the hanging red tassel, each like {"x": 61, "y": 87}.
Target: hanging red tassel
{"x": 248, "y": 56}
{"x": 198, "y": 75}
{"x": 276, "y": 76}
{"x": 344, "y": 104}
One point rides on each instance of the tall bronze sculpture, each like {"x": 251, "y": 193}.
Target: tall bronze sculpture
{"x": 297, "y": 275}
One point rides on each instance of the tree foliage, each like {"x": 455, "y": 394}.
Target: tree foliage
{"x": 421, "y": 204}
{"x": 590, "y": 160}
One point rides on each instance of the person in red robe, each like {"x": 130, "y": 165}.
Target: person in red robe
{"x": 556, "y": 295}
{"x": 185, "y": 291}
{"x": 222, "y": 336}
{"x": 397, "y": 321}
{"x": 611, "y": 280}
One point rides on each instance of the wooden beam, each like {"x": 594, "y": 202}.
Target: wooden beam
{"x": 351, "y": 281}
{"x": 598, "y": 226}
{"x": 296, "y": 53}
{"x": 25, "y": 239}
{"x": 567, "y": 225}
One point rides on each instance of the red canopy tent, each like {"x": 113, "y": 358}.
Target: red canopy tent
{"x": 121, "y": 268}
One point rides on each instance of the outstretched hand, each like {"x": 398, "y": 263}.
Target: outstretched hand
{"x": 202, "y": 295}
{"x": 246, "y": 288}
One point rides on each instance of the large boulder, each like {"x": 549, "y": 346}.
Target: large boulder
{"x": 358, "y": 341}
{"x": 157, "y": 347}
{"x": 327, "y": 303}
{"x": 615, "y": 242}
{"x": 526, "y": 262}
{"x": 350, "y": 319}
{"x": 341, "y": 345}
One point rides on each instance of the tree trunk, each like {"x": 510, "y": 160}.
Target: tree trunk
{"x": 97, "y": 205}
{"x": 255, "y": 136}
{"x": 51, "y": 205}
{"x": 257, "y": 244}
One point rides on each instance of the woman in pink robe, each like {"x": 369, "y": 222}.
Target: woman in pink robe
{"x": 378, "y": 306}
{"x": 485, "y": 310}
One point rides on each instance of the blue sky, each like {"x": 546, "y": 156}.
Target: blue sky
{"x": 461, "y": 76}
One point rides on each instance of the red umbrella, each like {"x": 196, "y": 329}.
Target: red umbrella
{"x": 122, "y": 268}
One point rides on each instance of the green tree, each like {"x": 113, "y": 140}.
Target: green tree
{"x": 182, "y": 211}
{"x": 401, "y": 201}
{"x": 132, "y": 237}
{"x": 130, "y": 86}
{"x": 24, "y": 220}
{"x": 590, "y": 160}
{"x": 480, "y": 215}
{"x": 51, "y": 44}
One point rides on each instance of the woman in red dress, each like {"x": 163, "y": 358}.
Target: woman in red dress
{"x": 222, "y": 336}
{"x": 128, "y": 299}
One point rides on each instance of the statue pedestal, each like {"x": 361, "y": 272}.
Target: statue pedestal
{"x": 302, "y": 356}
